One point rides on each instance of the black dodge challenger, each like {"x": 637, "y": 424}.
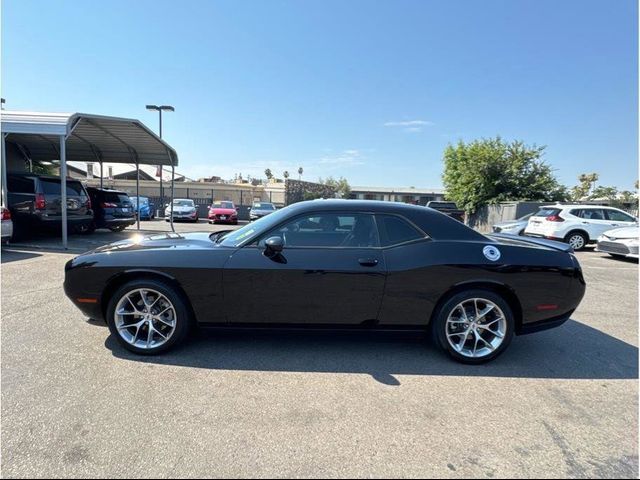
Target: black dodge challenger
{"x": 332, "y": 264}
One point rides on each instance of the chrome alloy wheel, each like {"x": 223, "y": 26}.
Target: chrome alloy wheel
{"x": 476, "y": 327}
{"x": 145, "y": 318}
{"x": 576, "y": 241}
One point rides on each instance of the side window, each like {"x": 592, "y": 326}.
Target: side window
{"x": 20, "y": 185}
{"x": 328, "y": 230}
{"x": 395, "y": 230}
{"x": 617, "y": 216}
{"x": 577, "y": 213}
{"x": 593, "y": 214}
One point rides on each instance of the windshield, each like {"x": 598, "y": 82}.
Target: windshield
{"x": 183, "y": 203}
{"x": 235, "y": 238}
{"x": 143, "y": 200}
{"x": 222, "y": 205}
{"x": 263, "y": 206}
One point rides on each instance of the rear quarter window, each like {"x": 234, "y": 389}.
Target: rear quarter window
{"x": 396, "y": 230}
{"x": 20, "y": 185}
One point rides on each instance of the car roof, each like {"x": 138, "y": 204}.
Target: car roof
{"x": 107, "y": 190}
{"x": 436, "y": 224}
{"x": 578, "y": 206}
{"x": 42, "y": 177}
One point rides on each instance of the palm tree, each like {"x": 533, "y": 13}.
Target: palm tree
{"x": 285, "y": 174}
{"x": 300, "y": 173}
{"x": 268, "y": 174}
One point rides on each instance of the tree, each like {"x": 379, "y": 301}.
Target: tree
{"x": 492, "y": 170}
{"x": 285, "y": 174}
{"x": 341, "y": 186}
{"x": 610, "y": 193}
{"x": 586, "y": 183}
{"x": 627, "y": 197}
{"x": 300, "y": 173}
{"x": 268, "y": 174}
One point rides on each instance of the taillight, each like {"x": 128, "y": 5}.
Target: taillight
{"x": 555, "y": 218}
{"x": 6, "y": 214}
{"x": 105, "y": 205}
{"x": 41, "y": 203}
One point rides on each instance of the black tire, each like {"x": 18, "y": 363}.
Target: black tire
{"x": 439, "y": 324}
{"x": 84, "y": 229}
{"x": 574, "y": 236}
{"x": 183, "y": 317}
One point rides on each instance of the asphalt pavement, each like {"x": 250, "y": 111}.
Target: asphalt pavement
{"x": 561, "y": 403}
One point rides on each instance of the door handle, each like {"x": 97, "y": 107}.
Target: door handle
{"x": 614, "y": 224}
{"x": 368, "y": 262}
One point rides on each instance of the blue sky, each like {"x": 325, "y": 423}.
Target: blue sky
{"x": 371, "y": 90}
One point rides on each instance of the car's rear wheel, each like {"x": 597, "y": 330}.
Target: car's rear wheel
{"x": 148, "y": 317}
{"x": 474, "y": 326}
{"x": 577, "y": 240}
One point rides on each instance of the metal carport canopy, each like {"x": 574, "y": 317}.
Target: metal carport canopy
{"x": 82, "y": 137}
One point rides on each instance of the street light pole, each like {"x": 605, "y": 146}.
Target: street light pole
{"x": 160, "y": 108}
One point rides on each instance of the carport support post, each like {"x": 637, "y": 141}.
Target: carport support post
{"x": 101, "y": 177}
{"x": 138, "y": 192}
{"x": 4, "y": 172}
{"x": 63, "y": 188}
{"x": 173, "y": 174}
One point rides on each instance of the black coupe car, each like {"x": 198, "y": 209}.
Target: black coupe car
{"x": 328, "y": 264}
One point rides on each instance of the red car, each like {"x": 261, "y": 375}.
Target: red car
{"x": 223, "y": 212}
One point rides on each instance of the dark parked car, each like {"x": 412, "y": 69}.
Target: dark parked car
{"x": 328, "y": 264}
{"x": 448, "y": 208}
{"x": 35, "y": 204}
{"x": 111, "y": 209}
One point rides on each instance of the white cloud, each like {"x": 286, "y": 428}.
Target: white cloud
{"x": 410, "y": 123}
{"x": 347, "y": 158}
{"x": 411, "y": 126}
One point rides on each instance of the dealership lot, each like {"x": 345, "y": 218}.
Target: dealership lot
{"x": 560, "y": 403}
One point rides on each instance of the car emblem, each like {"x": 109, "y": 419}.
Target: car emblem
{"x": 491, "y": 252}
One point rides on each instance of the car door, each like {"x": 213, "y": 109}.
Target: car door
{"x": 330, "y": 271}
{"x": 619, "y": 219}
{"x": 594, "y": 222}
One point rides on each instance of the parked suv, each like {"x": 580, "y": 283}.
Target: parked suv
{"x": 111, "y": 209}
{"x": 35, "y": 204}
{"x": 577, "y": 225}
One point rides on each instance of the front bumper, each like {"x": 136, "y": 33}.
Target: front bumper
{"x": 617, "y": 248}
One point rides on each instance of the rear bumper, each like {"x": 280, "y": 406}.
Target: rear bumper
{"x": 118, "y": 222}
{"x": 554, "y": 322}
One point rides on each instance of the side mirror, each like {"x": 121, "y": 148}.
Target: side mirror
{"x": 273, "y": 245}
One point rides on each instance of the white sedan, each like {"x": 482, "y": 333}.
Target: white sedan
{"x": 620, "y": 242}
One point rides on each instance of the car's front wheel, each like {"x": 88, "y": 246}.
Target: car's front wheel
{"x": 474, "y": 326}
{"x": 148, "y": 317}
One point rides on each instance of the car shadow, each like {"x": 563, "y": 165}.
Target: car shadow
{"x": 573, "y": 351}
{"x": 7, "y": 255}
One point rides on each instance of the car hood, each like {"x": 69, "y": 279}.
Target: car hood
{"x": 159, "y": 241}
{"x": 511, "y": 223}
{"x": 222, "y": 211}
{"x": 261, "y": 212}
{"x": 181, "y": 209}
{"x": 624, "y": 232}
